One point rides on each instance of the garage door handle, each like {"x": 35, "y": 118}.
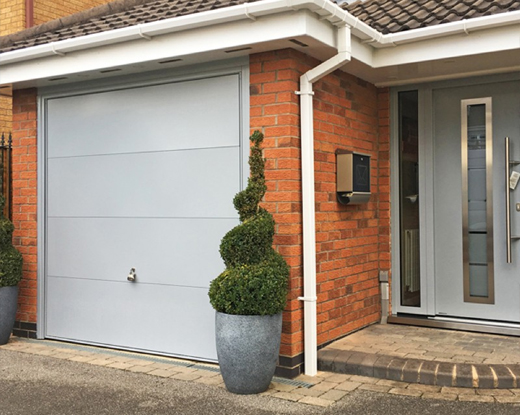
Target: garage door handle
{"x": 132, "y": 275}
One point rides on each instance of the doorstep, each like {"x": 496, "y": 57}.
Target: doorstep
{"x": 427, "y": 356}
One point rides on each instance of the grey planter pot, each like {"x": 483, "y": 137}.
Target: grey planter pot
{"x": 8, "y": 306}
{"x": 247, "y": 349}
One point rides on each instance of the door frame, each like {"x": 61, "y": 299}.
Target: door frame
{"x": 426, "y": 181}
{"x": 238, "y": 66}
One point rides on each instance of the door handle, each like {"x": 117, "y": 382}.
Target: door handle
{"x": 132, "y": 275}
{"x": 508, "y": 204}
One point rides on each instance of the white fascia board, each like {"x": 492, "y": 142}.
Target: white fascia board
{"x": 174, "y": 45}
{"x": 453, "y": 28}
{"x": 458, "y": 45}
{"x": 362, "y": 52}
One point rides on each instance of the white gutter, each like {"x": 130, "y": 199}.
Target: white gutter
{"x": 309, "y": 217}
{"x": 326, "y": 9}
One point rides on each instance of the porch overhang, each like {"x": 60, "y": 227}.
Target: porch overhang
{"x": 479, "y": 46}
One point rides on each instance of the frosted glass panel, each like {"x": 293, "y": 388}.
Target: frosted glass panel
{"x": 409, "y": 199}
{"x": 476, "y": 242}
{"x": 478, "y": 283}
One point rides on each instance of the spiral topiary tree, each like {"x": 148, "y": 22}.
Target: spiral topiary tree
{"x": 255, "y": 281}
{"x": 10, "y": 258}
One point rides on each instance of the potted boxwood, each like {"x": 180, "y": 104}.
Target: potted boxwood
{"x": 250, "y": 295}
{"x": 10, "y": 276}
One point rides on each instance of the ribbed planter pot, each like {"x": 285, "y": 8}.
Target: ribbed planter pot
{"x": 8, "y": 306}
{"x": 247, "y": 349}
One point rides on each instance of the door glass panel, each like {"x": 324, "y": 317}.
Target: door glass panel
{"x": 409, "y": 198}
{"x": 477, "y": 200}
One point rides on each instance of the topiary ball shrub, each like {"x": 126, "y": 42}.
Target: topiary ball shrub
{"x": 10, "y": 258}
{"x": 255, "y": 281}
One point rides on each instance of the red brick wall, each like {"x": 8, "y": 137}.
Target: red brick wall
{"x": 25, "y": 198}
{"x": 352, "y": 242}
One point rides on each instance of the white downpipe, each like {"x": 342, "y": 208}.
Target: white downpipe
{"x": 309, "y": 217}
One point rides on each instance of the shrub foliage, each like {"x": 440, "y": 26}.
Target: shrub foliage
{"x": 256, "y": 276}
{"x": 10, "y": 258}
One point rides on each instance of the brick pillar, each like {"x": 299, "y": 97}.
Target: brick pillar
{"x": 352, "y": 242}
{"x": 275, "y": 111}
{"x": 25, "y": 205}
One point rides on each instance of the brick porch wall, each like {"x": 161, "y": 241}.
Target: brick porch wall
{"x": 352, "y": 242}
{"x": 25, "y": 205}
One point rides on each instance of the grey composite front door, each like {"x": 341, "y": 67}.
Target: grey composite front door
{"x": 472, "y": 276}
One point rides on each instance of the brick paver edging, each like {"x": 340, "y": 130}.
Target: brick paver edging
{"x": 324, "y": 389}
{"x": 466, "y": 375}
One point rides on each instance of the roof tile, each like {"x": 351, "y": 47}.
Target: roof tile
{"x": 387, "y": 16}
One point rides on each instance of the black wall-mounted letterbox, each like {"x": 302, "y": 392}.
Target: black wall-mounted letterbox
{"x": 352, "y": 177}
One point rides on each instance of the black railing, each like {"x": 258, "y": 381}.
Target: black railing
{"x": 6, "y": 147}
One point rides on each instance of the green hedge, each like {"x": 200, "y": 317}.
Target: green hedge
{"x": 255, "y": 281}
{"x": 10, "y": 258}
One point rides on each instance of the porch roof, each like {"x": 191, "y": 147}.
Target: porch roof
{"x": 386, "y": 16}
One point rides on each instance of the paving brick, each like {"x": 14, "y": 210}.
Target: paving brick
{"x": 485, "y": 376}
{"x": 445, "y": 374}
{"x": 411, "y": 370}
{"x": 508, "y": 399}
{"x": 141, "y": 369}
{"x": 458, "y": 391}
{"x": 395, "y": 369}
{"x": 334, "y": 395}
{"x": 186, "y": 376}
{"x": 494, "y": 392}
{"x": 283, "y": 387}
{"x": 464, "y": 376}
{"x": 338, "y": 378}
{"x": 354, "y": 363}
{"x": 428, "y": 373}
{"x": 100, "y": 362}
{"x": 392, "y": 383}
{"x": 311, "y": 400}
{"x": 209, "y": 381}
{"x": 287, "y": 396}
{"x": 363, "y": 379}
{"x": 118, "y": 365}
{"x": 441, "y": 396}
{"x": 515, "y": 370}
{"x": 405, "y": 392}
{"x": 311, "y": 392}
{"x": 375, "y": 388}
{"x": 476, "y": 398}
{"x": 324, "y": 386}
{"x": 326, "y": 359}
{"x": 381, "y": 366}
{"x": 340, "y": 363}
{"x": 424, "y": 388}
{"x": 82, "y": 359}
{"x": 163, "y": 373}
{"x": 348, "y": 386}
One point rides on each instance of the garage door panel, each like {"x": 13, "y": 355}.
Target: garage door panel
{"x": 183, "y": 252}
{"x": 152, "y": 118}
{"x": 169, "y": 320}
{"x": 199, "y": 183}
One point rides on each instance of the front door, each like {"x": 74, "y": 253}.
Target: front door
{"x": 473, "y": 278}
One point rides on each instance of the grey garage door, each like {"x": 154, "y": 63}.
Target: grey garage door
{"x": 140, "y": 178}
